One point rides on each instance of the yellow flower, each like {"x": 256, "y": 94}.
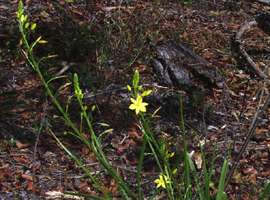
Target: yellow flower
{"x": 169, "y": 154}
{"x": 162, "y": 181}
{"x": 138, "y": 105}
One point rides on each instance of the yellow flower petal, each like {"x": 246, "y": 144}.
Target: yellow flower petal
{"x": 33, "y": 26}
{"x": 129, "y": 88}
{"x": 142, "y": 109}
{"x": 133, "y": 100}
{"x": 42, "y": 41}
{"x": 138, "y": 105}
{"x": 162, "y": 181}
{"x": 132, "y": 107}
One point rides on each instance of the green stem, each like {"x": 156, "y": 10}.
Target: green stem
{"x": 139, "y": 168}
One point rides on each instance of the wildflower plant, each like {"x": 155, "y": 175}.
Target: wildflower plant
{"x": 168, "y": 176}
{"x": 161, "y": 155}
{"x": 94, "y": 144}
{"x": 137, "y": 94}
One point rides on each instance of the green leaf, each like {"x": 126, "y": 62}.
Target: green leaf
{"x": 136, "y": 79}
{"x": 108, "y": 131}
{"x": 78, "y": 91}
{"x": 266, "y": 191}
{"x": 20, "y": 9}
{"x": 146, "y": 93}
{"x": 221, "y": 195}
{"x": 187, "y": 174}
{"x": 34, "y": 44}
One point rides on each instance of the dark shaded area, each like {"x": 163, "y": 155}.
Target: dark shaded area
{"x": 263, "y": 21}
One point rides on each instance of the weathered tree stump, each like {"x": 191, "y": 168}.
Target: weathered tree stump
{"x": 176, "y": 65}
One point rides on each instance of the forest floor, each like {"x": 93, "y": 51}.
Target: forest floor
{"x": 104, "y": 45}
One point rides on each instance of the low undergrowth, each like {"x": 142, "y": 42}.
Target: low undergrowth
{"x": 181, "y": 180}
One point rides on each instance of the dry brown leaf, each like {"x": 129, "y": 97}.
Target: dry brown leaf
{"x": 249, "y": 170}
{"x": 198, "y": 160}
{"x": 27, "y": 177}
{"x": 21, "y": 145}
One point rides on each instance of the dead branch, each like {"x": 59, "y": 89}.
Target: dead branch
{"x": 242, "y": 51}
{"x": 243, "y": 28}
{"x": 251, "y": 131}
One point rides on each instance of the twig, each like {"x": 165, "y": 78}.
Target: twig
{"x": 116, "y": 88}
{"x": 252, "y": 63}
{"x": 66, "y": 67}
{"x": 111, "y": 8}
{"x": 250, "y": 133}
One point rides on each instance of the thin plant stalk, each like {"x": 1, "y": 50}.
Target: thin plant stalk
{"x": 221, "y": 195}
{"x": 95, "y": 146}
{"x": 139, "y": 169}
{"x": 158, "y": 155}
{"x": 187, "y": 175}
